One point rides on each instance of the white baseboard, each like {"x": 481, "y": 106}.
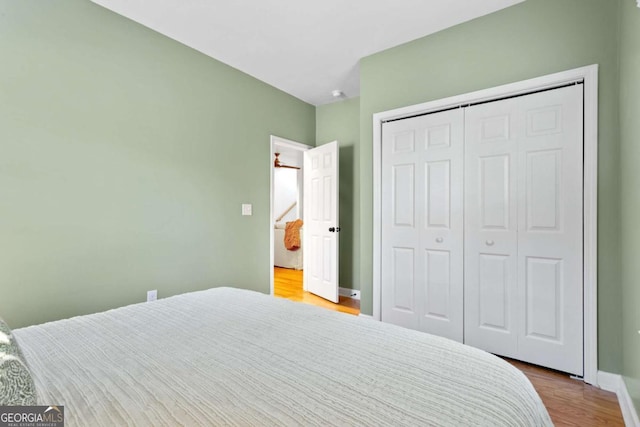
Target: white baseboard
{"x": 366, "y": 316}
{"x": 615, "y": 383}
{"x": 351, "y": 293}
{"x": 628, "y": 409}
{"x": 608, "y": 381}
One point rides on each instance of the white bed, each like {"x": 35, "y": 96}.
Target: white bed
{"x": 232, "y": 357}
{"x": 282, "y": 256}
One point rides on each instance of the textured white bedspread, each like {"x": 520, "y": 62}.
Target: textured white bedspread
{"x": 232, "y": 357}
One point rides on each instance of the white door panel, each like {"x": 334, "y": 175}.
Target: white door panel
{"x": 491, "y": 235}
{"x": 402, "y": 244}
{"x": 320, "y": 217}
{"x": 550, "y": 223}
{"x": 422, "y": 223}
{"x": 524, "y": 223}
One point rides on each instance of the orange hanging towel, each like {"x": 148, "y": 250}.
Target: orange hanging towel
{"x": 292, "y": 235}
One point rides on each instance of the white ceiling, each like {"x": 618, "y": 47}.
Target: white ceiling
{"x": 305, "y": 48}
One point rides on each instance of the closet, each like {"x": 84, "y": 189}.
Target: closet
{"x": 482, "y": 234}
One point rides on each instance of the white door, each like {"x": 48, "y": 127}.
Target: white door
{"x": 422, "y": 223}
{"x": 491, "y": 229}
{"x": 321, "y": 226}
{"x": 523, "y": 228}
{"x": 550, "y": 164}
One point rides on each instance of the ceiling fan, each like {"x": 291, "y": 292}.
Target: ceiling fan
{"x": 277, "y": 164}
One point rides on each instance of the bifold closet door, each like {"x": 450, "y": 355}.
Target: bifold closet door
{"x": 422, "y": 223}
{"x": 491, "y": 229}
{"x": 523, "y": 228}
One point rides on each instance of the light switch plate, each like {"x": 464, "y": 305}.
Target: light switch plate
{"x": 246, "y": 209}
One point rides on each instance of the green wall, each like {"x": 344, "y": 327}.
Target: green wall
{"x": 630, "y": 190}
{"x": 125, "y": 159}
{"x": 340, "y": 121}
{"x": 531, "y": 39}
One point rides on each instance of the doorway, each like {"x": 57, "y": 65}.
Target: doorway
{"x": 286, "y": 204}
{"x": 287, "y": 275}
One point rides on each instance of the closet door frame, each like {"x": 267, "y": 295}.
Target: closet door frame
{"x": 589, "y": 77}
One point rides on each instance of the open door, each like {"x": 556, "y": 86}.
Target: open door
{"x": 321, "y": 221}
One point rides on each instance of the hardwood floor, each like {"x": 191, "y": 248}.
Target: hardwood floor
{"x": 572, "y": 402}
{"x": 569, "y": 402}
{"x": 288, "y": 284}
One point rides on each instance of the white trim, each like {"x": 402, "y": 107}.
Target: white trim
{"x": 590, "y": 224}
{"x": 366, "y": 316}
{"x": 615, "y": 383}
{"x": 289, "y": 144}
{"x": 608, "y": 381}
{"x": 589, "y": 75}
{"x": 351, "y": 293}
{"x": 629, "y": 412}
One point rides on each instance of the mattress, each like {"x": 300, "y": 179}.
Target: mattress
{"x": 228, "y": 357}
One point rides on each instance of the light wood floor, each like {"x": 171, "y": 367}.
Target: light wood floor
{"x": 287, "y": 284}
{"x": 572, "y": 402}
{"x": 569, "y": 402}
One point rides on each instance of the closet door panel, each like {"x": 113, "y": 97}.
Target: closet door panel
{"x": 493, "y": 283}
{"x": 403, "y": 195}
{"x": 437, "y": 207}
{"x": 437, "y": 266}
{"x": 401, "y": 244}
{"x": 494, "y": 173}
{"x": 432, "y": 222}
{"x": 490, "y": 263}
{"x": 441, "y": 239}
{"x": 550, "y": 222}
{"x": 523, "y": 228}
{"x": 403, "y": 280}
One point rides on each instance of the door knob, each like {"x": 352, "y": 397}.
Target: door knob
{"x": 334, "y": 229}
{"x": 489, "y": 242}
{"x": 439, "y": 240}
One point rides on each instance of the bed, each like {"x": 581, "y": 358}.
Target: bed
{"x": 282, "y": 256}
{"x": 232, "y": 357}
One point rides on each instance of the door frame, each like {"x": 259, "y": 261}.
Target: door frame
{"x": 294, "y": 145}
{"x": 587, "y": 75}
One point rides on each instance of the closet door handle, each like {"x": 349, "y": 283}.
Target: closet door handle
{"x": 489, "y": 242}
{"x": 439, "y": 240}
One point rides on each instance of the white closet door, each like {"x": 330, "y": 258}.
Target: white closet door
{"x": 491, "y": 221}
{"x": 550, "y": 229}
{"x": 523, "y": 228}
{"x": 422, "y": 223}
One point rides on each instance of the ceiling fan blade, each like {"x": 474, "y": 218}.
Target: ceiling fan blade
{"x": 277, "y": 164}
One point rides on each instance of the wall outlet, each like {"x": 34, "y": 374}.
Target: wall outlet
{"x": 246, "y": 209}
{"x": 152, "y": 295}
